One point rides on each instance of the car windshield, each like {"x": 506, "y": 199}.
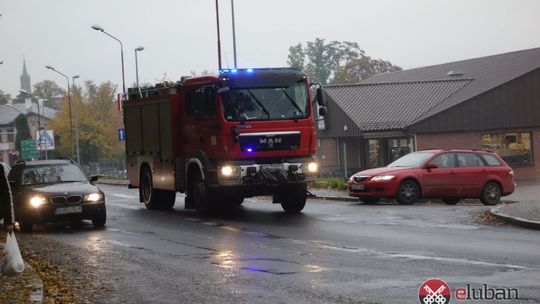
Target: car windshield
{"x": 266, "y": 103}
{"x": 51, "y": 174}
{"x": 415, "y": 160}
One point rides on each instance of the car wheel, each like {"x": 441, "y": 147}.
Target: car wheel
{"x": 408, "y": 192}
{"x": 100, "y": 219}
{"x": 491, "y": 194}
{"x": 294, "y": 199}
{"x": 369, "y": 200}
{"x": 451, "y": 201}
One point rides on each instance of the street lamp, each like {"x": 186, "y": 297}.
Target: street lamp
{"x": 99, "y": 28}
{"x": 69, "y": 107}
{"x": 76, "y": 123}
{"x": 137, "y": 68}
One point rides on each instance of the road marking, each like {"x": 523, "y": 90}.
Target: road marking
{"x": 451, "y": 260}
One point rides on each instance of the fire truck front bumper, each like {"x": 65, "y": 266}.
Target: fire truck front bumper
{"x": 273, "y": 174}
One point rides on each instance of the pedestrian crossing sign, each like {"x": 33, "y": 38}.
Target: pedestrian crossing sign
{"x": 45, "y": 139}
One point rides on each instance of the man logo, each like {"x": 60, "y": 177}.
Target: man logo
{"x": 270, "y": 141}
{"x": 434, "y": 291}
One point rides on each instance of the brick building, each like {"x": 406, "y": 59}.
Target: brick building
{"x": 483, "y": 103}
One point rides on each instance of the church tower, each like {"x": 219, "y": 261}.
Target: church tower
{"x": 25, "y": 80}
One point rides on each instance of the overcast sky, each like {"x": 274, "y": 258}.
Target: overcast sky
{"x": 179, "y": 36}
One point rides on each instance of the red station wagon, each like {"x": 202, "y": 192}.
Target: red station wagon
{"x": 450, "y": 175}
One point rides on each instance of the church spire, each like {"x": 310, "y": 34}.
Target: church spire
{"x": 25, "y": 79}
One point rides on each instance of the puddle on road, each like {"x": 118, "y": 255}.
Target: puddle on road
{"x": 226, "y": 259}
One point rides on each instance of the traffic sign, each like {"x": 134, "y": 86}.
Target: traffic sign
{"x": 45, "y": 140}
{"x": 28, "y": 149}
{"x": 121, "y": 134}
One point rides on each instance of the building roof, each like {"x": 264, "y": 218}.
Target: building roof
{"x": 8, "y": 113}
{"x": 393, "y": 105}
{"x": 399, "y": 99}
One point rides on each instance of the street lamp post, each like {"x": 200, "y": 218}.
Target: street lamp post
{"x": 137, "y": 68}
{"x": 69, "y": 107}
{"x": 99, "y": 28}
{"x": 76, "y": 123}
{"x": 234, "y": 35}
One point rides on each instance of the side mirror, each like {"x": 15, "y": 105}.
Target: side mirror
{"x": 431, "y": 166}
{"x": 321, "y": 101}
{"x": 94, "y": 178}
{"x": 322, "y": 111}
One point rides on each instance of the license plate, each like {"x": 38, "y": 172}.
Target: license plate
{"x": 272, "y": 167}
{"x": 357, "y": 187}
{"x": 68, "y": 210}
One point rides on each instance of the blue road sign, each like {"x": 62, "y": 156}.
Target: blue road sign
{"x": 121, "y": 134}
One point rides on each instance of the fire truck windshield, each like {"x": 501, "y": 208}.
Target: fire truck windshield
{"x": 277, "y": 103}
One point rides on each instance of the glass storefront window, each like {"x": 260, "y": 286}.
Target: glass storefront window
{"x": 515, "y": 148}
{"x": 375, "y": 155}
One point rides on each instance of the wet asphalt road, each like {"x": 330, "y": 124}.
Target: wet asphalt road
{"x": 335, "y": 252}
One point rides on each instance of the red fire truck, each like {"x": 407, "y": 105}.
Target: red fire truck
{"x": 220, "y": 139}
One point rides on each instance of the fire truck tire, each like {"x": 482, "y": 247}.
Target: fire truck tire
{"x": 294, "y": 198}
{"x": 235, "y": 200}
{"x": 199, "y": 197}
{"x": 166, "y": 199}
{"x": 149, "y": 195}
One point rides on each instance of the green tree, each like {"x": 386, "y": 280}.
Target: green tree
{"x": 50, "y": 92}
{"x": 296, "y": 56}
{"x": 4, "y": 97}
{"x": 336, "y": 62}
{"x": 23, "y": 131}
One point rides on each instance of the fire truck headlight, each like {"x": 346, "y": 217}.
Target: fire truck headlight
{"x": 227, "y": 171}
{"x": 312, "y": 167}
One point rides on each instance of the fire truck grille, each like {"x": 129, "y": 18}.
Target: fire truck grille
{"x": 254, "y": 142}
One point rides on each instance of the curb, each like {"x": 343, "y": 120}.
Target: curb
{"x": 514, "y": 219}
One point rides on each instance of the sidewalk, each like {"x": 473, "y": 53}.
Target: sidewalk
{"x": 26, "y": 287}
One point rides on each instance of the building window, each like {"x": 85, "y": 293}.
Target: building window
{"x": 514, "y": 148}
{"x": 375, "y": 155}
{"x": 11, "y": 135}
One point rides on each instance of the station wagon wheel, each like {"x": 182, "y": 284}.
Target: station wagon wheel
{"x": 408, "y": 193}
{"x": 491, "y": 194}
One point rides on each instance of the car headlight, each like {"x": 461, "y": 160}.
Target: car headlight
{"x": 93, "y": 197}
{"x": 37, "y": 201}
{"x": 313, "y": 167}
{"x": 382, "y": 178}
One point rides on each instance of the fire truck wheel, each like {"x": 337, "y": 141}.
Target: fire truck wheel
{"x": 294, "y": 198}
{"x": 149, "y": 195}
{"x": 235, "y": 200}
{"x": 166, "y": 199}
{"x": 199, "y": 197}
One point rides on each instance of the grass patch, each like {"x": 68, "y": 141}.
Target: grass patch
{"x": 335, "y": 183}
